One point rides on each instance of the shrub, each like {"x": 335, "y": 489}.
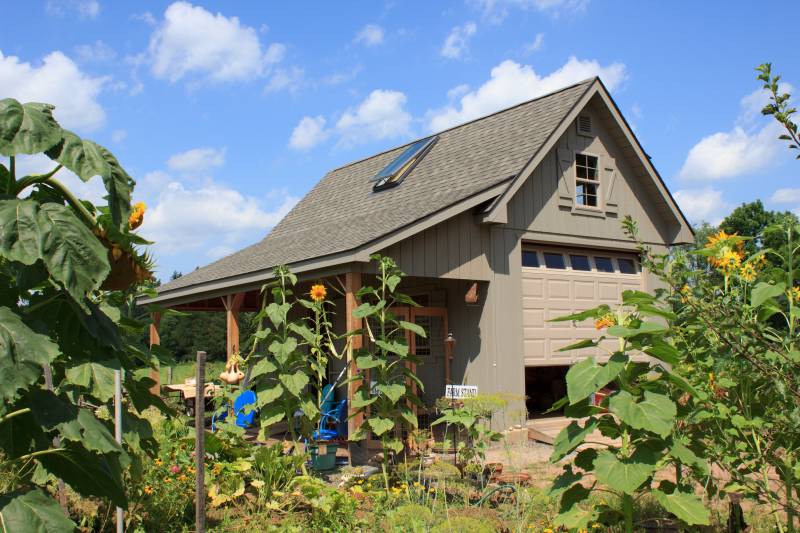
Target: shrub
{"x": 463, "y": 524}
{"x": 410, "y": 517}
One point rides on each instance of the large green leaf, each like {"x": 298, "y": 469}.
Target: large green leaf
{"x": 27, "y": 128}
{"x": 394, "y": 347}
{"x": 415, "y": 328}
{"x": 685, "y": 505}
{"x": 5, "y": 180}
{"x": 22, "y": 354}
{"x": 90, "y": 474}
{"x": 571, "y": 437}
{"x": 263, "y": 366}
{"x": 277, "y": 313}
{"x": 380, "y": 425}
{"x": 294, "y": 383}
{"x": 765, "y": 291}
{"x": 624, "y": 475}
{"x": 361, "y": 400}
{"x": 282, "y": 350}
{"x": 20, "y": 238}
{"x": 32, "y": 512}
{"x": 393, "y": 391}
{"x": 654, "y": 413}
{"x": 97, "y": 378}
{"x": 643, "y": 329}
{"x": 365, "y": 362}
{"x": 71, "y": 252}
{"x": 72, "y": 423}
{"x": 88, "y": 159}
{"x": 269, "y": 395}
{"x": 588, "y": 376}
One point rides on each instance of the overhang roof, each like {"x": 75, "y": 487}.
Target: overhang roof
{"x": 342, "y": 213}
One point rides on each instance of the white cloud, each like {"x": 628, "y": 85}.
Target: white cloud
{"x": 727, "y": 154}
{"x": 370, "y": 35}
{"x": 118, "y": 136}
{"x": 212, "y": 217}
{"x": 536, "y": 45}
{"x": 380, "y": 116}
{"x": 193, "y": 41}
{"x": 83, "y": 8}
{"x": 197, "y": 160}
{"x": 496, "y": 11}
{"x": 282, "y": 79}
{"x": 702, "y": 205}
{"x": 457, "y": 41}
{"x": 750, "y": 146}
{"x": 309, "y": 132}
{"x": 145, "y": 17}
{"x": 96, "y": 52}
{"x": 511, "y": 83}
{"x": 57, "y": 81}
{"x": 786, "y": 196}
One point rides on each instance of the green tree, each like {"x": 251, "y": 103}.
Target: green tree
{"x": 752, "y": 219}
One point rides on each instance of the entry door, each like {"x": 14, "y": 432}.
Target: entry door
{"x": 434, "y": 368}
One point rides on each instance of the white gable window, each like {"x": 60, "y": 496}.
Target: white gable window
{"x": 587, "y": 181}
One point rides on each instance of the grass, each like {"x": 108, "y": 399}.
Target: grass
{"x": 182, "y": 371}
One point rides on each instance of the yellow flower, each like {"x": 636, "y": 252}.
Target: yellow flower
{"x": 796, "y": 294}
{"x": 604, "y": 322}
{"x": 182, "y": 477}
{"x": 729, "y": 260}
{"x": 747, "y": 272}
{"x": 137, "y": 216}
{"x": 711, "y": 377}
{"x": 167, "y": 479}
{"x": 148, "y": 490}
{"x": 718, "y": 238}
{"x": 318, "y": 292}
{"x": 158, "y": 462}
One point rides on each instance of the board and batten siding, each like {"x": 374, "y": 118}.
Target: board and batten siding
{"x": 538, "y": 209}
{"x": 453, "y": 249}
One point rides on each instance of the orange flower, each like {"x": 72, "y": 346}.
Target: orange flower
{"x": 137, "y": 216}
{"x": 158, "y": 462}
{"x": 148, "y": 490}
{"x": 318, "y": 292}
{"x": 604, "y": 322}
{"x": 167, "y": 479}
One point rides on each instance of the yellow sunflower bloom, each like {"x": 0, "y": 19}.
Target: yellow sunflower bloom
{"x": 747, "y": 272}
{"x": 318, "y": 292}
{"x": 137, "y": 215}
{"x": 717, "y": 238}
{"x": 796, "y": 294}
{"x": 604, "y": 322}
{"x": 148, "y": 490}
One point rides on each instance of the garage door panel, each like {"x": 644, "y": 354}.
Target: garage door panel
{"x": 553, "y": 293}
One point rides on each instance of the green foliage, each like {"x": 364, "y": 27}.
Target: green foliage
{"x": 290, "y": 350}
{"x": 472, "y": 416}
{"x": 273, "y": 470}
{"x": 326, "y": 508}
{"x": 780, "y": 106}
{"x": 410, "y": 517}
{"x": 57, "y": 255}
{"x": 386, "y": 397}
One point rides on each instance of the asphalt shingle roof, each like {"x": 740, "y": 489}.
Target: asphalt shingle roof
{"x": 342, "y": 212}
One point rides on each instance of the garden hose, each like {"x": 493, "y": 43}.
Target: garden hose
{"x": 493, "y": 490}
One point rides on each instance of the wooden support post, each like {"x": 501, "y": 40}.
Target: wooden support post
{"x": 352, "y": 285}
{"x": 232, "y": 303}
{"x": 155, "y": 340}
{"x": 200, "y": 444}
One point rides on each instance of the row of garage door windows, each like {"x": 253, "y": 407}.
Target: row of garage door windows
{"x": 560, "y": 261}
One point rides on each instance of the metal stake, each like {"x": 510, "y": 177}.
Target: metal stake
{"x": 200, "y": 443}
{"x": 118, "y": 434}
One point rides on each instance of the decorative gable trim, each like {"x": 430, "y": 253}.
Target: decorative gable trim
{"x": 566, "y": 177}
{"x": 609, "y": 175}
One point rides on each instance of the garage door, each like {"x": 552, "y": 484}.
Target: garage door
{"x": 558, "y": 282}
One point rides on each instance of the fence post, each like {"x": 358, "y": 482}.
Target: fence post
{"x": 200, "y": 443}
{"x": 118, "y": 433}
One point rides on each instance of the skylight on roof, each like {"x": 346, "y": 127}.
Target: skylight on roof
{"x": 393, "y": 173}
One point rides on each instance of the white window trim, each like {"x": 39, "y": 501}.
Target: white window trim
{"x": 598, "y": 209}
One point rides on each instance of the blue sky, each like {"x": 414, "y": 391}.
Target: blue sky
{"x": 227, "y": 112}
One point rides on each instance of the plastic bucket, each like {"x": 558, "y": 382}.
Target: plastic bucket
{"x": 323, "y": 456}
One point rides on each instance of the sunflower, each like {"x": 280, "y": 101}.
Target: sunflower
{"x": 717, "y": 238}
{"x": 604, "y": 322}
{"x": 318, "y": 292}
{"x": 148, "y": 490}
{"x": 796, "y": 294}
{"x": 137, "y": 215}
{"x": 729, "y": 260}
{"x": 747, "y": 272}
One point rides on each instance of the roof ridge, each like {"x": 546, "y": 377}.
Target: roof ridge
{"x": 477, "y": 119}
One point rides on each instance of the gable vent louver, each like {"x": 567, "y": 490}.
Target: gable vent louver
{"x": 585, "y": 125}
